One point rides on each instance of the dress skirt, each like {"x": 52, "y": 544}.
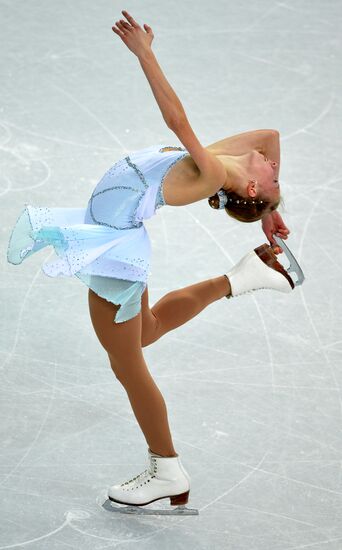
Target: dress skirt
{"x": 105, "y": 259}
{"x": 105, "y": 245}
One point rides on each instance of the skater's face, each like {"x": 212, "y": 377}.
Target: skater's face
{"x": 251, "y": 175}
{"x": 263, "y": 171}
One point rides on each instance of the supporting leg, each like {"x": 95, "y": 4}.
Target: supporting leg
{"x": 148, "y": 405}
{"x": 165, "y": 476}
{"x": 122, "y": 341}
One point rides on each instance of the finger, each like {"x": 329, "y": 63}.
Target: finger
{"x": 126, "y": 28}
{"x": 120, "y": 26}
{"x": 130, "y": 19}
{"x": 126, "y": 25}
{"x": 148, "y": 29}
{"x": 277, "y": 250}
{"x": 118, "y": 32}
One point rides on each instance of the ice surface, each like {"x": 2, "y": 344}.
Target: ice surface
{"x": 252, "y": 385}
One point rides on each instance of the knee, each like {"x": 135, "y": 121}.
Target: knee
{"x": 146, "y": 340}
{"x": 150, "y": 331}
{"x": 127, "y": 370}
{"x": 150, "y": 334}
{"x": 120, "y": 375}
{"x": 117, "y": 369}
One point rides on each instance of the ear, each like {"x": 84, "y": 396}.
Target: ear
{"x": 252, "y": 188}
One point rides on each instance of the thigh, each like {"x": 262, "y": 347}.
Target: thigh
{"x": 118, "y": 338}
{"x": 122, "y": 341}
{"x": 150, "y": 328}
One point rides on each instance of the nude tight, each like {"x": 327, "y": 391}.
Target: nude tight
{"x": 124, "y": 342}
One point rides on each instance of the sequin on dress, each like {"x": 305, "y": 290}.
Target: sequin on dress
{"x": 105, "y": 245}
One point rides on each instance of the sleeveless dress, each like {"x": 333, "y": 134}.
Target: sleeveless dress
{"x": 106, "y": 244}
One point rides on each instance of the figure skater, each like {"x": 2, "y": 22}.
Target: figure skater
{"x": 107, "y": 247}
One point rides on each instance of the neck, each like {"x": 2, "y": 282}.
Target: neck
{"x": 236, "y": 173}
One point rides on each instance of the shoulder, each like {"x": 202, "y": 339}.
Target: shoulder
{"x": 211, "y": 170}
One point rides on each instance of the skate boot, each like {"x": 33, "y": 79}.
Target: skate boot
{"x": 259, "y": 269}
{"x": 165, "y": 477}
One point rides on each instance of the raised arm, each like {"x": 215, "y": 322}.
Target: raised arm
{"x": 266, "y": 141}
{"x": 139, "y": 42}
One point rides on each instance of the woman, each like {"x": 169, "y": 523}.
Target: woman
{"x": 106, "y": 245}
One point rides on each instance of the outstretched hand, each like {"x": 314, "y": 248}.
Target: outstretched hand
{"x": 273, "y": 224}
{"x": 135, "y": 38}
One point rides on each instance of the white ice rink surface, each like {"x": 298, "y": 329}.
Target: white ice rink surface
{"x": 252, "y": 385}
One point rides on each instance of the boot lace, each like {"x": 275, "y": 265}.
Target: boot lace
{"x": 141, "y": 479}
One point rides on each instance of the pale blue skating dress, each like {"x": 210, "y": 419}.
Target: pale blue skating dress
{"x": 105, "y": 245}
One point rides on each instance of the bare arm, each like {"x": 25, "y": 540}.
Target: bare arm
{"x": 212, "y": 173}
{"x": 139, "y": 42}
{"x": 169, "y": 104}
{"x": 265, "y": 141}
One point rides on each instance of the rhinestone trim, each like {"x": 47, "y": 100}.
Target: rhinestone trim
{"x": 171, "y": 148}
{"x": 133, "y": 223}
{"x": 160, "y": 199}
{"x": 145, "y": 184}
{"x": 140, "y": 174}
{"x": 103, "y": 191}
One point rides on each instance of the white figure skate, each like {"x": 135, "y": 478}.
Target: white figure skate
{"x": 260, "y": 269}
{"x": 165, "y": 477}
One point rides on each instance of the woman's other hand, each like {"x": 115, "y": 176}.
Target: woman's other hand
{"x": 135, "y": 38}
{"x": 273, "y": 224}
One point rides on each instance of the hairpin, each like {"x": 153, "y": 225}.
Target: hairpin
{"x": 223, "y": 199}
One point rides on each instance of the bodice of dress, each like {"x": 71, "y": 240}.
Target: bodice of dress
{"x": 132, "y": 189}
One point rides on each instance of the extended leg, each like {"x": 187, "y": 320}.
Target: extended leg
{"x": 258, "y": 269}
{"x": 179, "y": 306}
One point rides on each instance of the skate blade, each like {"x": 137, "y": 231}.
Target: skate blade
{"x": 294, "y": 265}
{"x": 181, "y": 510}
